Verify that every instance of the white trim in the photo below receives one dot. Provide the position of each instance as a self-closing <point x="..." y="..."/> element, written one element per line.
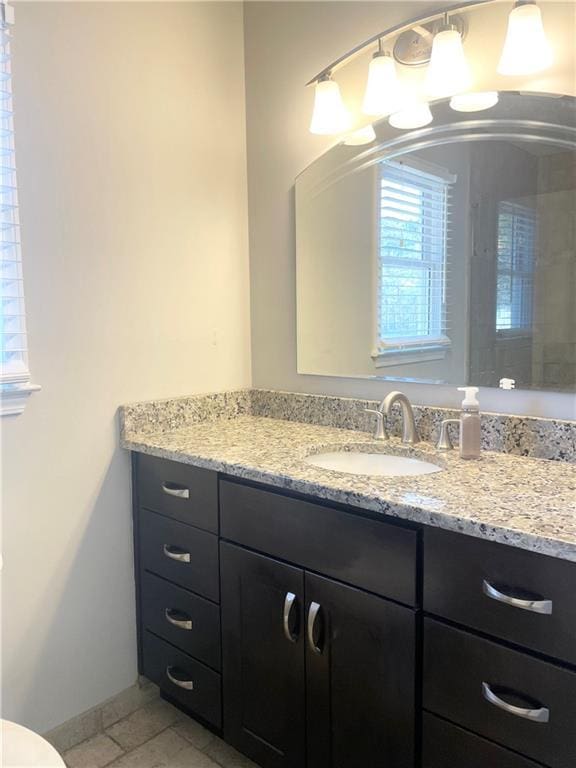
<point x="13" y="398"/>
<point x="407" y="355"/>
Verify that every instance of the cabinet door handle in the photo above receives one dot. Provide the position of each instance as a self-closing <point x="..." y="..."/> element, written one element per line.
<point x="171" y="489"/>
<point x="188" y="685"/>
<point x="289" y="603"/>
<point x="176" y="554"/>
<point x="313" y="612"/>
<point x="536" y="606"/>
<point x="541" y="715"/>
<point x="180" y="623"/>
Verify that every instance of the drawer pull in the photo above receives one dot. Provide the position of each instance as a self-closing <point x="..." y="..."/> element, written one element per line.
<point x="188" y="685"/>
<point x="174" y="553"/>
<point x="541" y="715"/>
<point x="171" y="489"/>
<point x="180" y="623"/>
<point x="289" y="603"/>
<point x="536" y="606"/>
<point x="313" y="612"/>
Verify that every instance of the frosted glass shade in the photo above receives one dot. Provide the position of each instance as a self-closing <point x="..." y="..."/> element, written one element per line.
<point x="413" y="116"/>
<point x="475" y="101"/>
<point x="526" y="48"/>
<point x="361" y="136"/>
<point x="329" y="115"/>
<point x="448" y="72"/>
<point x="382" y="87"/>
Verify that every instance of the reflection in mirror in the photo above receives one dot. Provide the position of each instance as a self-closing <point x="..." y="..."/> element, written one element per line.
<point x="452" y="260"/>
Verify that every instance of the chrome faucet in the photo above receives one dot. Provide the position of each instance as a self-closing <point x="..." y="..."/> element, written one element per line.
<point x="409" y="429"/>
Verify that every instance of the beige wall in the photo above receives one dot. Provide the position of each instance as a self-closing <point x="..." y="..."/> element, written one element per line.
<point x="286" y="44"/>
<point x="131" y="150"/>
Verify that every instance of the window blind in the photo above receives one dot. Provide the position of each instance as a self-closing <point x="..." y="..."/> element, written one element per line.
<point x="413" y="239"/>
<point x="515" y="273"/>
<point x="13" y="344"/>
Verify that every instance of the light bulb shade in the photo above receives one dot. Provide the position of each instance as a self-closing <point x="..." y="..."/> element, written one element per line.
<point x="329" y="115"/>
<point x="413" y="116"/>
<point x="448" y="72"/>
<point x="382" y="87"/>
<point x="526" y="48"/>
<point x="362" y="136"/>
<point x="475" y="101"/>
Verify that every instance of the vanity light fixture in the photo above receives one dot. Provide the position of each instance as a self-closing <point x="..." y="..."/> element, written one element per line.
<point x="362" y="136"/>
<point x="382" y="87"/>
<point x="474" y="101"/>
<point x="415" y="115"/>
<point x="526" y="48"/>
<point x="330" y="115"/>
<point x="448" y="72"/>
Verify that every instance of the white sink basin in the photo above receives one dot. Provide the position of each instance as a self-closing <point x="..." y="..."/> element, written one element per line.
<point x="382" y="464"/>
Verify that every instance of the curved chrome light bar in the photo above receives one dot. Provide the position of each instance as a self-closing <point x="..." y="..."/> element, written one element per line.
<point x="422" y="20"/>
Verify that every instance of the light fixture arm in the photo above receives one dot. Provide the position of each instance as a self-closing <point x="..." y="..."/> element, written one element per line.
<point x="380" y="37"/>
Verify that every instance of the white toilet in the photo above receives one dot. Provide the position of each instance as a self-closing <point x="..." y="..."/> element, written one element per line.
<point x="22" y="748"/>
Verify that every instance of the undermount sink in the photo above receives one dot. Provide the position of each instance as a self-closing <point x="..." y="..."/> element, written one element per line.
<point x="364" y="463"/>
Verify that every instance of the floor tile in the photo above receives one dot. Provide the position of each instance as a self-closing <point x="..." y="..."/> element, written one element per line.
<point x="227" y="757"/>
<point x="75" y="731"/>
<point x="144" y="724"/>
<point x="191" y="758"/>
<point x="159" y="751"/>
<point x="93" y="753"/>
<point x="195" y="733"/>
<point x="128" y="702"/>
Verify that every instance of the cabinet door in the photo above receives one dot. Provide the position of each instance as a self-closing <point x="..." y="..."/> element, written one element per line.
<point x="263" y="657"/>
<point x="360" y="662"/>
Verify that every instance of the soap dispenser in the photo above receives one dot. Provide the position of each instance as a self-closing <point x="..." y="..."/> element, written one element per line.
<point x="470" y="424"/>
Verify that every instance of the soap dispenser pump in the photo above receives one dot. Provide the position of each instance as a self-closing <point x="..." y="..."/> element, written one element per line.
<point x="470" y="437"/>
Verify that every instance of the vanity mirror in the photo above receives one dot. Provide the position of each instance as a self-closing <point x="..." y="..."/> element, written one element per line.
<point x="447" y="254"/>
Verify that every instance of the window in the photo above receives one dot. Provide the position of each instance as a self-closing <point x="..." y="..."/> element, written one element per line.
<point x="515" y="259"/>
<point x="412" y="250"/>
<point x="14" y="375"/>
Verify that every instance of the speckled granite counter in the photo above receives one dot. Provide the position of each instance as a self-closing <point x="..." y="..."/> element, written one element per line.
<point x="524" y="502"/>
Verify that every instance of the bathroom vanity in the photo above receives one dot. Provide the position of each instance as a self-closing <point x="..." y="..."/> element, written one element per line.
<point x="361" y="623"/>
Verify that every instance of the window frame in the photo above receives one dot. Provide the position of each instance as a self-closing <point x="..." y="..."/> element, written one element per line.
<point x="15" y="386"/>
<point x="525" y="330"/>
<point x="405" y="350"/>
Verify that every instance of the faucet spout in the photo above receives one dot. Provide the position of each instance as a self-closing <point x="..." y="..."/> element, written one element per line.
<point x="409" y="429"/>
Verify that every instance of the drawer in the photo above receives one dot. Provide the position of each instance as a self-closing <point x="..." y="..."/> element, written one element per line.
<point x="180" y="553"/>
<point x="186" y="620"/>
<point x="190" y="683"/>
<point x="371" y="554"/>
<point x="448" y="746"/>
<point x="186" y="493"/>
<point x="458" y="666"/>
<point x="459" y="570"/>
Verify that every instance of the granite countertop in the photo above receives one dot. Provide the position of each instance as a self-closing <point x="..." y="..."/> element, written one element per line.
<point x="523" y="502"/>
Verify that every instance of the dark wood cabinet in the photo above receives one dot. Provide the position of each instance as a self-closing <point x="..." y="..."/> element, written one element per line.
<point x="263" y="657"/>
<point x="360" y="674"/>
<point x="312" y="635"/>
<point x="328" y="687"/>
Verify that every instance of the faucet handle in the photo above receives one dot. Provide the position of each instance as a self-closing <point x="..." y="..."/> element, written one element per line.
<point x="444" y="441"/>
<point x="380" y="432"/>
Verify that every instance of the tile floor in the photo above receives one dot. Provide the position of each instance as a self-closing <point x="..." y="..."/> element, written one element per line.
<point x="155" y="736"/>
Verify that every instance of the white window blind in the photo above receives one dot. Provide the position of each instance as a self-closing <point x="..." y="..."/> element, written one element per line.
<point x="515" y="273"/>
<point x="14" y="373"/>
<point x="412" y="248"/>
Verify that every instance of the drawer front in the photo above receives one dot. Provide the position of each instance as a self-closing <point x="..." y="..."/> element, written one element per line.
<point x="180" y="553"/>
<point x="366" y="553"/>
<point x="459" y="570"/>
<point x="186" y="620"/>
<point x="448" y="746"/>
<point x="184" y="679"/>
<point x="185" y="493"/>
<point x="457" y="668"/>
